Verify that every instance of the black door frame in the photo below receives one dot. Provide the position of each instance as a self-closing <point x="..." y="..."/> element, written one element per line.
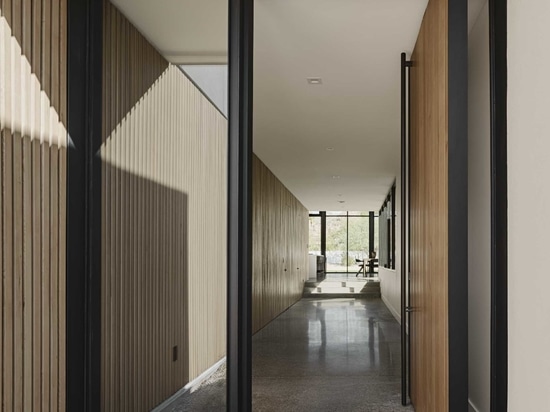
<point x="239" y="246"/>
<point x="405" y="227"/>
<point x="457" y="293"/>
<point x="84" y="119"/>
<point x="498" y="44"/>
<point x="84" y="201"/>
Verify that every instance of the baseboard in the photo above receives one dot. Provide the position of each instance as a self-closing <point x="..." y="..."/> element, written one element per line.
<point x="472" y="406"/>
<point x="191" y="385"/>
<point x="394" y="312"/>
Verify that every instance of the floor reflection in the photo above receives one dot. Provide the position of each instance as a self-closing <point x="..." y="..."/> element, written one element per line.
<point x="320" y="355"/>
<point x="328" y="355"/>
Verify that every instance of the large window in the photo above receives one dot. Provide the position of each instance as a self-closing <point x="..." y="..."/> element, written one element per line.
<point x="349" y="236"/>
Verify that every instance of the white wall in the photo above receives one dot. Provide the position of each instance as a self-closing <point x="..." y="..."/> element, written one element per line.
<point x="390" y="280"/>
<point x="529" y="205"/>
<point x="479" y="214"/>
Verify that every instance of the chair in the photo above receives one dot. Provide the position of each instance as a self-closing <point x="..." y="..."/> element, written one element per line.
<point x="362" y="266"/>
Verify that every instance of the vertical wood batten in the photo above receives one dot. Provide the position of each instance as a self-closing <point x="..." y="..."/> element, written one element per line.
<point x="32" y="112"/>
<point x="279" y="254"/>
<point x="163" y="215"/>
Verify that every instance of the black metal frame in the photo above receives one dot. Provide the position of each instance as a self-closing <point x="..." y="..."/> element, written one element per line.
<point x="405" y="314"/>
<point x="408" y="274"/>
<point x="371" y="233"/>
<point x="392" y="246"/>
<point x="239" y="251"/>
<point x="458" y="204"/>
<point x="84" y="97"/>
<point x="499" y="204"/>
<point x="324" y="234"/>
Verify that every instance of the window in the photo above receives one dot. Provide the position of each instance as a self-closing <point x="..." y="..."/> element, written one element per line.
<point x="386" y="228"/>
<point x="348" y="237"/>
<point x="315" y="234"/>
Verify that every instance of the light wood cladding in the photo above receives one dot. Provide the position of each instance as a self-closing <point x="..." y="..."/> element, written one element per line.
<point x="33" y="144"/>
<point x="125" y="49"/>
<point x="280" y="251"/>
<point x="429" y="213"/>
<point x="164" y="200"/>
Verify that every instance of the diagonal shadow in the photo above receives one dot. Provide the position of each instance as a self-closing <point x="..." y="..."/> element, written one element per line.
<point x="145" y="280"/>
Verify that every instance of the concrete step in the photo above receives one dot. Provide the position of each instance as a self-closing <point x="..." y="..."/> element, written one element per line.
<point x="342" y="288"/>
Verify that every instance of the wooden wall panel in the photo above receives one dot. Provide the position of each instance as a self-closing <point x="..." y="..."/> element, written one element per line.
<point x="429" y="213"/>
<point x="33" y="144"/>
<point x="280" y="252"/>
<point x="163" y="224"/>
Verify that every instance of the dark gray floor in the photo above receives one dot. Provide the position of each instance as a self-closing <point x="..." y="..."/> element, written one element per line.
<point x="320" y="355"/>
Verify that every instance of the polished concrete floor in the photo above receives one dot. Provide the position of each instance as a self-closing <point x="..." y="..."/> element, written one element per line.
<point x="320" y="355"/>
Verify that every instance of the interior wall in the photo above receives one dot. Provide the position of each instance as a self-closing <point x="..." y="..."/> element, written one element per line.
<point x="528" y="205"/>
<point x="479" y="214"/>
<point x="280" y="247"/>
<point x="33" y="164"/>
<point x="164" y="200"/>
<point x="429" y="141"/>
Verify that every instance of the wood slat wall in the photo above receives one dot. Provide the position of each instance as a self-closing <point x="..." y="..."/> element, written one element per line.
<point x="429" y="213"/>
<point x="280" y="251"/>
<point x="32" y="204"/>
<point x="163" y="224"/>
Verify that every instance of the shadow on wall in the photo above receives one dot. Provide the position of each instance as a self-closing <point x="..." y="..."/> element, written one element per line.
<point x="131" y="65"/>
<point x="30" y="27"/>
<point x="145" y="314"/>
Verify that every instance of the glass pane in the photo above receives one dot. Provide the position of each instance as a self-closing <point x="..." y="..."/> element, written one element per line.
<point x="337" y="213"/>
<point x="358" y="239"/>
<point x="337" y="258"/>
<point x="358" y="213"/>
<point x="315" y="235"/>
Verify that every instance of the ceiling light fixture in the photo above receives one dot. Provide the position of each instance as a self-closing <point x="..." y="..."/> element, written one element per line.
<point x="314" y="80"/>
<point x="341" y="201"/>
<point x="336" y="177"/>
<point x="330" y="149"/>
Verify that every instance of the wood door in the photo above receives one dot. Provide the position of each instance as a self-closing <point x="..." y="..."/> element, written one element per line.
<point x="438" y="210"/>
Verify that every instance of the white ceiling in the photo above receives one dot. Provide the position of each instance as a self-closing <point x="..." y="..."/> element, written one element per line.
<point x="183" y="31"/>
<point x="353" y="45"/>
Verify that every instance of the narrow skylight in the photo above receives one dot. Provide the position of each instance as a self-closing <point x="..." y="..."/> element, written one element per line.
<point x="212" y="81"/>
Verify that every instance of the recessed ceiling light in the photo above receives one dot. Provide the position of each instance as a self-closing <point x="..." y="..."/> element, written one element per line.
<point x="315" y="80"/>
<point x="336" y="177"/>
<point x="330" y="149"/>
<point x="341" y="201"/>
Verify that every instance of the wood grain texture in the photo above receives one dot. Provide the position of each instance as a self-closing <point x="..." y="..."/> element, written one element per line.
<point x="429" y="213"/>
<point x="33" y="144"/>
<point x="279" y="251"/>
<point x="163" y="224"/>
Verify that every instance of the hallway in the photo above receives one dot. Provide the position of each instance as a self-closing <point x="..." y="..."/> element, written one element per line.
<point x="320" y="355"/>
